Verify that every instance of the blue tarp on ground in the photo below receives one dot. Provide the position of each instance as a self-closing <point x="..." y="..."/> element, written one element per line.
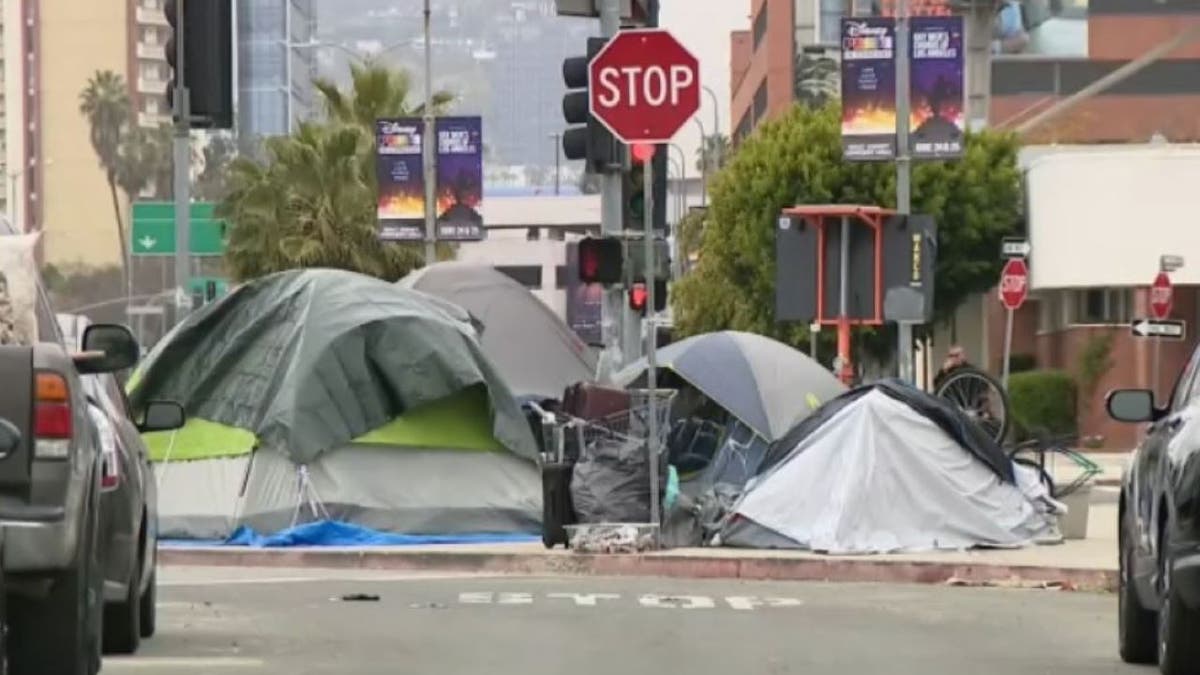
<point x="336" y="533"/>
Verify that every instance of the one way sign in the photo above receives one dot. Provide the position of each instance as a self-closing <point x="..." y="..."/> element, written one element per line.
<point x="1172" y="330"/>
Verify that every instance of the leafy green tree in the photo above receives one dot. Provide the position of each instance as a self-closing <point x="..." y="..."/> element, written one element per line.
<point x="797" y="159"/>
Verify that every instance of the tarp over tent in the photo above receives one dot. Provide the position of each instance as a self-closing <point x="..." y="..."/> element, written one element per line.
<point x="349" y="396"/>
<point x="890" y="469"/>
<point x="533" y="349"/>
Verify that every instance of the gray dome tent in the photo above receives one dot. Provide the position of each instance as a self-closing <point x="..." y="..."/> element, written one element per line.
<point x="334" y="395"/>
<point x="534" y="350"/>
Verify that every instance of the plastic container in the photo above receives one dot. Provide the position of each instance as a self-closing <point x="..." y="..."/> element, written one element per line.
<point x="1074" y="524"/>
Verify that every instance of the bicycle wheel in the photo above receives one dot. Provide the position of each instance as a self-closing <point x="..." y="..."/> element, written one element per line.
<point x="980" y="397"/>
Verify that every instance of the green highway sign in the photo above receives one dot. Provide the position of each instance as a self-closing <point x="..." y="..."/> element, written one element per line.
<point x="153" y="230"/>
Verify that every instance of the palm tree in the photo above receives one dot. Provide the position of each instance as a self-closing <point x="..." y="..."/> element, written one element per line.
<point x="715" y="151"/>
<point x="376" y="92"/>
<point x="105" y="102"/>
<point x="309" y="199"/>
<point x="818" y="79"/>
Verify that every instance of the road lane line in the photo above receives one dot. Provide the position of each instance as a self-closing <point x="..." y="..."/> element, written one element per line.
<point x="197" y="662"/>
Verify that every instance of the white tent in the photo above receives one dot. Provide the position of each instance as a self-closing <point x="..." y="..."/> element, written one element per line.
<point x="879" y="476"/>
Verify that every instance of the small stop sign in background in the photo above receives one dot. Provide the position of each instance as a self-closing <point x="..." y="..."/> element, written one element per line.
<point x="1014" y="284"/>
<point x="1161" y="293"/>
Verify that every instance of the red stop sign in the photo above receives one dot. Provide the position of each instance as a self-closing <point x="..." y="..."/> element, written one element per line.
<point x="644" y="86"/>
<point x="1161" y="293"/>
<point x="1014" y="284"/>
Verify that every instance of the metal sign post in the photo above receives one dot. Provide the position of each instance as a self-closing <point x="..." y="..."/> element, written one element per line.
<point x="1014" y="288"/>
<point x="182" y="169"/>
<point x="904" y="348"/>
<point x="1161" y="303"/>
<point x="651" y="337"/>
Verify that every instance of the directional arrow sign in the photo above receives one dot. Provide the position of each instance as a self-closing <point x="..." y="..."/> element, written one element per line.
<point x="1169" y="329"/>
<point x="1015" y="247"/>
<point x="147" y="243"/>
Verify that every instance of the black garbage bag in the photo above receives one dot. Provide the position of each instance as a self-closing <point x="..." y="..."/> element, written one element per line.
<point x="611" y="481"/>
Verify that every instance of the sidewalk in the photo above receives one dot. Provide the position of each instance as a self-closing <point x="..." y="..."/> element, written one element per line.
<point x="1088" y="564"/>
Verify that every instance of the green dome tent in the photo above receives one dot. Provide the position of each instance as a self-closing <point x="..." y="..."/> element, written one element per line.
<point x="323" y="394"/>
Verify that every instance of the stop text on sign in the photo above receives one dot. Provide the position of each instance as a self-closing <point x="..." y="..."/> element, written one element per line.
<point x="1160" y="294"/>
<point x="1012" y="283"/>
<point x="649" y="85"/>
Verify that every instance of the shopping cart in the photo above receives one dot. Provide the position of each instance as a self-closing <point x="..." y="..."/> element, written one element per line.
<point x="619" y="468"/>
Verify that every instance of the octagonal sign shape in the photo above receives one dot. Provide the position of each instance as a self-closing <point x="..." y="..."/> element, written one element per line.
<point x="644" y="86"/>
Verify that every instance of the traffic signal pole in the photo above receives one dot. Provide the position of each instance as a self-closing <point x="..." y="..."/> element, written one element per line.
<point x="619" y="322"/>
<point x="429" y="149"/>
<point x="904" y="348"/>
<point x="182" y="170"/>
<point x="651" y="338"/>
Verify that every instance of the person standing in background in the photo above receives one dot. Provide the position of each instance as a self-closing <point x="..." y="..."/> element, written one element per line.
<point x="1008" y="34"/>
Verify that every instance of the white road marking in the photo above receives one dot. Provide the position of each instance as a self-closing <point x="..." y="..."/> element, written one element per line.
<point x="585" y="599"/>
<point x="648" y="600"/>
<point x="677" y="601"/>
<point x="159" y="662"/>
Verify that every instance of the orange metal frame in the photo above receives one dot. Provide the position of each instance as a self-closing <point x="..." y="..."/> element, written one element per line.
<point x="819" y="215"/>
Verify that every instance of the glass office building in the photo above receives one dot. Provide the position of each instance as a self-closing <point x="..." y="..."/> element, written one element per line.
<point x="276" y="63"/>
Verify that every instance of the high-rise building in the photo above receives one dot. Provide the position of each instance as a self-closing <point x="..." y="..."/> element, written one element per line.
<point x="276" y="64"/>
<point x="148" y="70"/>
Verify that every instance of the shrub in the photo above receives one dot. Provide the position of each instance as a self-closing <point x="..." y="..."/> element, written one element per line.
<point x="1043" y="402"/>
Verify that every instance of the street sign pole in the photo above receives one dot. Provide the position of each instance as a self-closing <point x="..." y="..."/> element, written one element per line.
<point x="651" y="325"/>
<point x="1161" y="300"/>
<point x="1008" y="331"/>
<point x="1014" y="287"/>
<point x="182" y="168"/>
<point x="904" y="347"/>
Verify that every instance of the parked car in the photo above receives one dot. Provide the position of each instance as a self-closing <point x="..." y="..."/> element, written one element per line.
<point x="1159" y="535"/>
<point x="129" y="502"/>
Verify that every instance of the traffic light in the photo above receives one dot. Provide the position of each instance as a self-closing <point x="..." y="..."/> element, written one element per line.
<point x="601" y="260"/>
<point x="207" y="34"/>
<point x="638" y="296"/>
<point x="633" y="193"/>
<point x="586" y="137"/>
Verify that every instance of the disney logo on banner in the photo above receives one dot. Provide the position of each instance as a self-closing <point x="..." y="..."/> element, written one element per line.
<point x="864" y="29"/>
<point x="393" y="127"/>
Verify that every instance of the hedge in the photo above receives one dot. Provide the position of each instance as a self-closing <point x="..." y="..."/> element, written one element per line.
<point x="1043" y="402"/>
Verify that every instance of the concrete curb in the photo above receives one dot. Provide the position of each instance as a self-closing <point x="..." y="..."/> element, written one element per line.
<point x="657" y="565"/>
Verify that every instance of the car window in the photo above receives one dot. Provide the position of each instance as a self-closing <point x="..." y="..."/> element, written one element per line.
<point x="1185" y="389"/>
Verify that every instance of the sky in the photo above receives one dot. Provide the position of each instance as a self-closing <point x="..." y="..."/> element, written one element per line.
<point x="703" y="26"/>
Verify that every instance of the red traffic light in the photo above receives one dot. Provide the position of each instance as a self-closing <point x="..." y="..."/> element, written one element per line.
<point x="642" y="152"/>
<point x="601" y="260"/>
<point x="637" y="297"/>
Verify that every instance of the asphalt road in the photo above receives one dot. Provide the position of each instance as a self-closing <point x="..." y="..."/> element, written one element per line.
<point x="277" y="622"/>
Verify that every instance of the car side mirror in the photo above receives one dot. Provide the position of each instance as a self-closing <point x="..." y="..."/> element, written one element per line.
<point x="1132" y="405"/>
<point x="162" y="416"/>
<point x="107" y="348"/>
<point x="10" y="438"/>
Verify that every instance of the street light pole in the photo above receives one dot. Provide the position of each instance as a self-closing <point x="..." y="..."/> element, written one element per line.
<point x="716" y="120"/>
<point x="429" y="148"/>
<point x="703" y="162"/>
<point x="182" y="169"/>
<point x="557" y="162"/>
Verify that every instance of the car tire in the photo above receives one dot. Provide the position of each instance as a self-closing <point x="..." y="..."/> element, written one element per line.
<point x="1137" y="627"/>
<point x="1178" y="625"/>
<point x="60" y="634"/>
<point x="149" y="606"/>
<point x="122" y="620"/>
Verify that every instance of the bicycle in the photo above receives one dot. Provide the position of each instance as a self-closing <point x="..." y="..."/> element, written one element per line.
<point x="980" y="397"/>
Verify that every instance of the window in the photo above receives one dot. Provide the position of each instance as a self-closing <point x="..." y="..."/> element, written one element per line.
<point x="533" y="234"/>
<point x="1093" y="306"/>
<point x="832" y="12"/>
<point x="743" y="128"/>
<point x="1185" y="388"/>
<point x="760" y="102"/>
<point x="760" y="27"/>
<point x="560" y="276"/>
<point x="529" y="276"/>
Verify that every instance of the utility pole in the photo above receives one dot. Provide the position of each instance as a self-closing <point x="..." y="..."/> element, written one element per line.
<point x="557" y="163"/>
<point x="429" y="147"/>
<point x="182" y="169"/>
<point x="904" y="350"/>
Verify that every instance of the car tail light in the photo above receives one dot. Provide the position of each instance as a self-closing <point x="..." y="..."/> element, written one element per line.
<point x="52" y="422"/>
<point x="110" y="471"/>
